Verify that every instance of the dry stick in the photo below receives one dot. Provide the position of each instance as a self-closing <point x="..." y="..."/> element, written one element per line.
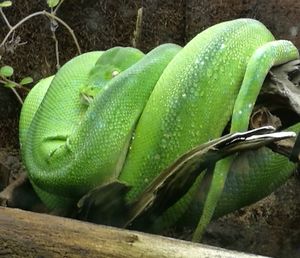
<point x="5" y="80"/>
<point x="5" y="19"/>
<point x="54" y="34"/>
<point x="138" y="28"/>
<point x="57" y="7"/>
<point x="6" y="195"/>
<point x="49" y="15"/>
<point x="45" y="13"/>
<point x="18" y="85"/>
<point x="17" y="95"/>
<point x="53" y="29"/>
<point x="56" y="50"/>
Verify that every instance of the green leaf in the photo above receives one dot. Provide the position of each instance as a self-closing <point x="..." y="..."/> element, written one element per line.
<point x="52" y="3"/>
<point x="10" y="85"/>
<point x="5" y="4"/>
<point x="6" y="71"/>
<point x="26" y="80"/>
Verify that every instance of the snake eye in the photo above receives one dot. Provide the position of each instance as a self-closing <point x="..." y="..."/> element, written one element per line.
<point x="114" y="73"/>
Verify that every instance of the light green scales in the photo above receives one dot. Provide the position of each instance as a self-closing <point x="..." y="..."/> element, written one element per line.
<point x="162" y="105"/>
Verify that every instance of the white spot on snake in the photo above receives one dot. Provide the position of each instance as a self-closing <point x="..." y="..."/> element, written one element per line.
<point x="250" y="105"/>
<point x="184" y="95"/>
<point x="115" y="73"/>
<point x="222" y="46"/>
<point x="240" y="112"/>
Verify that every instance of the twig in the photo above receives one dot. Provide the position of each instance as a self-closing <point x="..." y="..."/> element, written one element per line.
<point x="56" y="50"/>
<point x="53" y="27"/>
<point x="5" y="19"/>
<point x="138" y="28"/>
<point x="6" y="195"/>
<point x="4" y="80"/>
<point x="66" y="26"/>
<point x="17" y="95"/>
<point x="49" y="15"/>
<point x="57" y="7"/>
<point x="52" y="18"/>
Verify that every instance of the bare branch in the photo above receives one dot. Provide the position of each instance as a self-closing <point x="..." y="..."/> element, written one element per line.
<point x="138" y="28"/>
<point x="17" y="95"/>
<point x="14" y="90"/>
<point x="4" y="80"/>
<point x="56" y="50"/>
<point x="5" y="19"/>
<point x="49" y="15"/>
<point x="57" y="7"/>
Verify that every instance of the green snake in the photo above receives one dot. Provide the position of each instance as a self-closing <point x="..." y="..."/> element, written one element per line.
<point x="123" y="115"/>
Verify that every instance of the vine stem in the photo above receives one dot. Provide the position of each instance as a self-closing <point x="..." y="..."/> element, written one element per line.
<point x="5" y="80"/>
<point x="57" y="7"/>
<point x="17" y="95"/>
<point x="5" y="19"/>
<point x="43" y="13"/>
<point x="138" y="28"/>
<point x="15" y="92"/>
<point x="18" y="85"/>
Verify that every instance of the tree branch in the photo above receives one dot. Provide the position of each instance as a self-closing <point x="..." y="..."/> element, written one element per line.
<point x="49" y="15"/>
<point x="28" y="234"/>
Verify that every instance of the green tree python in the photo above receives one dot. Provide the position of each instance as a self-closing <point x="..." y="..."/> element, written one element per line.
<point x="121" y="114"/>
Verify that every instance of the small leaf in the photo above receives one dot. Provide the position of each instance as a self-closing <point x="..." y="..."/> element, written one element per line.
<point x="5" y="4"/>
<point x="10" y="85"/>
<point x="26" y="80"/>
<point x="6" y="71"/>
<point x="52" y="3"/>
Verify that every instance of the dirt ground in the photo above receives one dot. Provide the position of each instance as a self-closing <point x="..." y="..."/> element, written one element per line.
<point x="270" y="227"/>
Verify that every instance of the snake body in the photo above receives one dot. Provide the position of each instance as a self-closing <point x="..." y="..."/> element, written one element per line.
<point x="98" y="120"/>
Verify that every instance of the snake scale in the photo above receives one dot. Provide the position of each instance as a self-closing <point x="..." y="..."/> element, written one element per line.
<point x="121" y="114"/>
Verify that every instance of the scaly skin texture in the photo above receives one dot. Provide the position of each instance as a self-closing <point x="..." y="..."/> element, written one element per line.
<point x="195" y="97"/>
<point x="60" y="136"/>
<point x="164" y="104"/>
<point x="252" y="176"/>
<point x="221" y="69"/>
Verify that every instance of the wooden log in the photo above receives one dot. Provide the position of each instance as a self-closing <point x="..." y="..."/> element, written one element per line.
<point x="28" y="234"/>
